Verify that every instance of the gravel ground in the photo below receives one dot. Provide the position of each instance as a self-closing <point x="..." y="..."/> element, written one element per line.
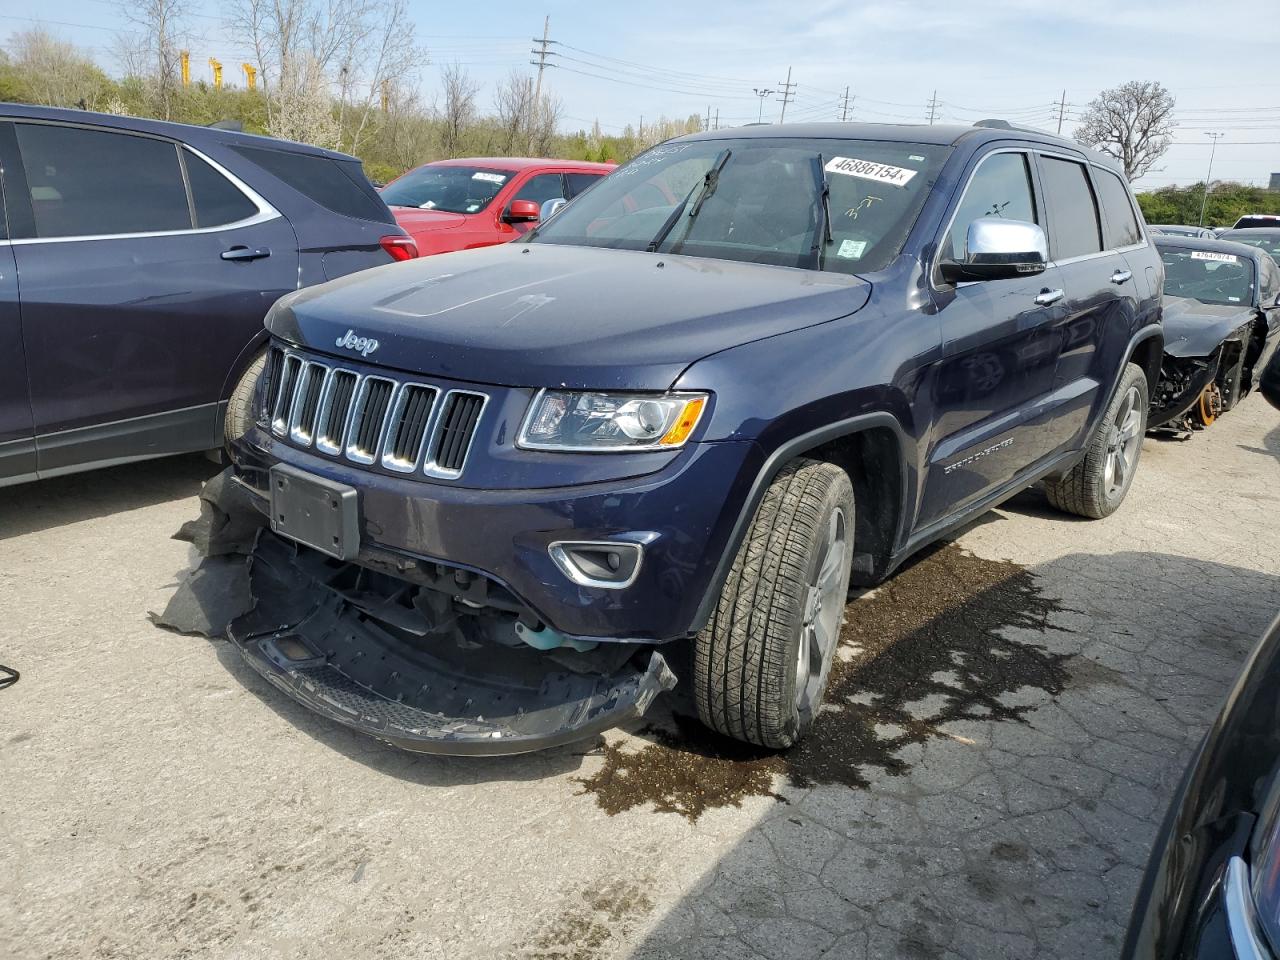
<point x="1014" y="710"/>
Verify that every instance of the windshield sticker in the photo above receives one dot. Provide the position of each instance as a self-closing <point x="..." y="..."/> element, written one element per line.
<point x="1209" y="255"/>
<point x="489" y="177"/>
<point x="851" y="249"/>
<point x="870" y="170"/>
<point x="472" y="207"/>
<point x="916" y="157"/>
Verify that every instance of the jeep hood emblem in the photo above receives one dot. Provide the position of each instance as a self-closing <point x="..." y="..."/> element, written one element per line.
<point x="361" y="345"/>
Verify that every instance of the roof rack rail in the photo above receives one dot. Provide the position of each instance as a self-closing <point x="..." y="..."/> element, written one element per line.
<point x="995" y="124"/>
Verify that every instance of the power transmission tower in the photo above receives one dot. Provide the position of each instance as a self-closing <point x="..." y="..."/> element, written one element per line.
<point x="1062" y="111"/>
<point x="788" y="94"/>
<point x="846" y="103"/>
<point x="933" y="108"/>
<point x="541" y="53"/>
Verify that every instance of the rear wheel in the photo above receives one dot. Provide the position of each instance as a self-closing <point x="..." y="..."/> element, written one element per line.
<point x="240" y="405"/>
<point x="1097" y="485"/>
<point x="762" y="662"/>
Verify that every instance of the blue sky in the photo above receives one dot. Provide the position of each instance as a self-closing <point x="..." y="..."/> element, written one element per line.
<point x="1005" y="58"/>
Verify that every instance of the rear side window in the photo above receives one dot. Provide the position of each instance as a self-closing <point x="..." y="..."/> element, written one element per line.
<point x="1122" y="223"/>
<point x="579" y="182"/>
<point x="1001" y="187"/>
<point x="1074" y="230"/>
<point x="331" y="183"/>
<point x="216" y="199"/>
<point x="90" y="182"/>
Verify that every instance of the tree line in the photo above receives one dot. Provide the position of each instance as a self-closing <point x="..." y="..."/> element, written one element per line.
<point x="344" y="76"/>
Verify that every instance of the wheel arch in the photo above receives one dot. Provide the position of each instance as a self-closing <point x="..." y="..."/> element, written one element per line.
<point x="850" y="444"/>
<point x="1147" y="351"/>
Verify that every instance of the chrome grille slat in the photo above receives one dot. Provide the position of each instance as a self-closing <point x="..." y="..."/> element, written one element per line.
<point x="369" y="418"/>
<point x="334" y="406"/>
<point x="407" y="427"/>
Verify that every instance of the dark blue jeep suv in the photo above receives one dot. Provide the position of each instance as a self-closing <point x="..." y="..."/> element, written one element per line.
<point x="137" y="261"/>
<point x="506" y="486"/>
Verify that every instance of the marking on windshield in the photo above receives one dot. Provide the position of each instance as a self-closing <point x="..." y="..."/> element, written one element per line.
<point x="870" y="170"/>
<point x="489" y="177"/>
<point x="1221" y="257"/>
<point x="851" y="249"/>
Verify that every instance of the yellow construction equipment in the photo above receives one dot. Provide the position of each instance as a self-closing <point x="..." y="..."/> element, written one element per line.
<point x="250" y="75"/>
<point x="216" y="65"/>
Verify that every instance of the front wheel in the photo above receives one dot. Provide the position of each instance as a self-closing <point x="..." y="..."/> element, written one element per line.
<point x="761" y="664"/>
<point x="1097" y="485"/>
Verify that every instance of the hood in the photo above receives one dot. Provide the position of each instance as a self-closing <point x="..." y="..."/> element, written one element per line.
<point x="546" y="315"/>
<point x="417" y="220"/>
<point x="1195" y="329"/>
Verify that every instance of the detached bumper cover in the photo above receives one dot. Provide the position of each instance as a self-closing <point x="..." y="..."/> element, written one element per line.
<point x="324" y="653"/>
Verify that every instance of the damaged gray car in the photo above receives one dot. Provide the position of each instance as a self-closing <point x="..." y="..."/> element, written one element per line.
<point x="1222" y="323"/>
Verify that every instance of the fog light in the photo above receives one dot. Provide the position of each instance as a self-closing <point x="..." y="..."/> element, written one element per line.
<point x="608" y="564"/>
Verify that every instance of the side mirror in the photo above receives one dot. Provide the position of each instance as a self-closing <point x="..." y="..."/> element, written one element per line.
<point x="522" y="211"/>
<point x="551" y="208"/>
<point x="998" y="249"/>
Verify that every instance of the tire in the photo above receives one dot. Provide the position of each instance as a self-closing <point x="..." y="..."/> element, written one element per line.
<point x="777" y="621"/>
<point x="1092" y="488"/>
<point x="240" y="415"/>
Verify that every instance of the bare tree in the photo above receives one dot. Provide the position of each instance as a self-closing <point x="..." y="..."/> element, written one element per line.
<point x="459" y="106"/>
<point x="153" y="49"/>
<point x="513" y="103"/>
<point x="340" y="52"/>
<point x="1132" y="123"/>
<point x="547" y="118"/>
<point x="54" y="72"/>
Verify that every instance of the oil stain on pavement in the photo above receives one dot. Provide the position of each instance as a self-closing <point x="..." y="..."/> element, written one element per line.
<point x="927" y="648"/>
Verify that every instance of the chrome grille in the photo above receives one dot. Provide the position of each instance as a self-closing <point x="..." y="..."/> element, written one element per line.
<point x="370" y="418"/>
<point x="456" y="430"/>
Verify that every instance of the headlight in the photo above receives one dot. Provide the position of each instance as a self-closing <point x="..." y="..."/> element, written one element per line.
<point x="570" y="420"/>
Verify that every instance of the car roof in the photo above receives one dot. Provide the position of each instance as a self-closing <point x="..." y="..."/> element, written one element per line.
<point x="939" y="134"/>
<point x="1254" y="232"/>
<point x="185" y="132"/>
<point x="1211" y="246"/>
<point x="1175" y="226"/>
<point x="523" y="163"/>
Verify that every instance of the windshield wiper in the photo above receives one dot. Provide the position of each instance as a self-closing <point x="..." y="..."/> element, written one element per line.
<point x="705" y="189"/>
<point x="822" y="230"/>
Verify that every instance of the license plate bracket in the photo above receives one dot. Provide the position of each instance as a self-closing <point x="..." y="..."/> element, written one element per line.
<point x="316" y="512"/>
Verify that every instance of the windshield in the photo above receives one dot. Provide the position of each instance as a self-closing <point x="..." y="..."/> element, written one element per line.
<point x="451" y="189"/>
<point x="1267" y="240"/>
<point x="759" y="200"/>
<point x="1207" y="276"/>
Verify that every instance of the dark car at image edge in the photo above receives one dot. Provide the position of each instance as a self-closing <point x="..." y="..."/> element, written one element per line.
<point x="507" y="487"/>
<point x="138" y="259"/>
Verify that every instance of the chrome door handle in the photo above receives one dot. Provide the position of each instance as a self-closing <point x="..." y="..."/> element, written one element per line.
<point x="1048" y="297"/>
<point x="1122" y="276"/>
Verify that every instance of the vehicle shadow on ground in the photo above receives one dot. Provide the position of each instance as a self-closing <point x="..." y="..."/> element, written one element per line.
<point x="1003" y="744"/>
<point x="37" y="506"/>
<point x="1270" y="445"/>
<point x="422" y="769"/>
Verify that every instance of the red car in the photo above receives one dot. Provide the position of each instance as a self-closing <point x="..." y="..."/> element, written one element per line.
<point x="477" y="202"/>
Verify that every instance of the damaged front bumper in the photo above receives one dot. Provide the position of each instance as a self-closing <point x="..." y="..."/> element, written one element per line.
<point x="404" y="666"/>
<point x="1182" y="380"/>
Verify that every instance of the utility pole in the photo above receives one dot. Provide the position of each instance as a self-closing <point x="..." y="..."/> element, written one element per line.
<point x="717" y="126"/>
<point x="708" y="123"/>
<point x="846" y="102"/>
<point x="1208" y="179"/>
<point x="541" y="53"/>
<point x="761" y="93"/>
<point x="788" y="94"/>
<point x="1062" y="111"/>
<point x="933" y="108"/>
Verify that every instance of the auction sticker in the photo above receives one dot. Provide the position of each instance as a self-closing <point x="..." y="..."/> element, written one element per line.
<point x="1209" y="255"/>
<point x="870" y="170"/>
<point x="851" y="249"/>
<point x="489" y="177"/>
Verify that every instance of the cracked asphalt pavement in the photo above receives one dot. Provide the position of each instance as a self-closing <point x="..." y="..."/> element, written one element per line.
<point x="1011" y="715"/>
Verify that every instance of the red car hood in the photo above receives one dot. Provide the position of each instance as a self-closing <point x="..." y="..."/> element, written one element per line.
<point x="416" y="221"/>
